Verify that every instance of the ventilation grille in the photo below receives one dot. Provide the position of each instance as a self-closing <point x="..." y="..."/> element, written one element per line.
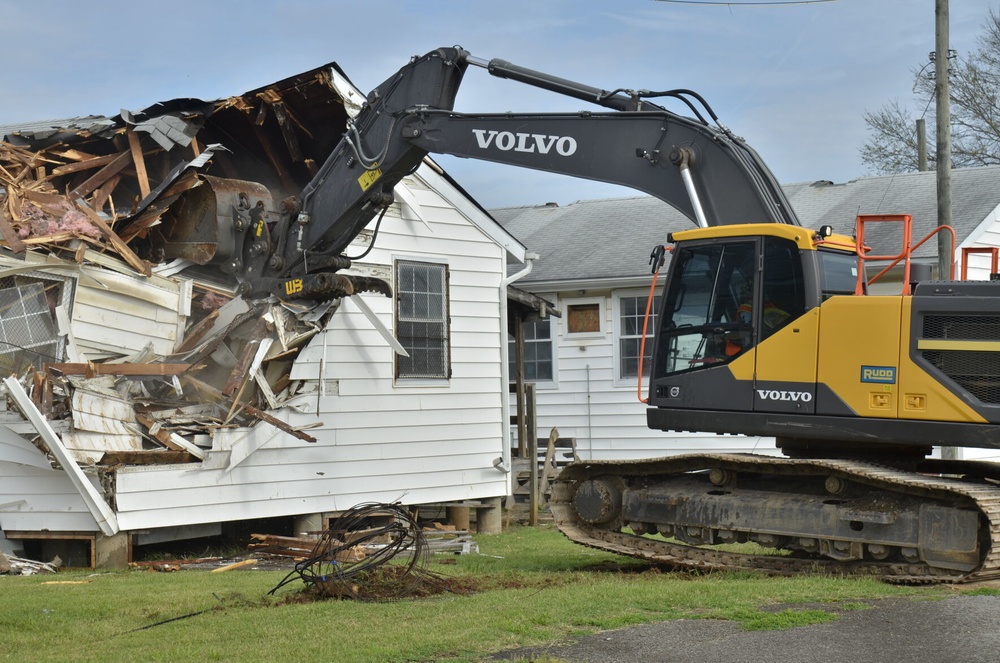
<point x="963" y="327"/>
<point x="976" y="372"/>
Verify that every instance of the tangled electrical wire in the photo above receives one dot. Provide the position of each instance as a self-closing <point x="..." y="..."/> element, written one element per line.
<point x="373" y="552"/>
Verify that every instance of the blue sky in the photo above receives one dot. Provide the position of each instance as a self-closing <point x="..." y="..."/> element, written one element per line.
<point x="793" y="80"/>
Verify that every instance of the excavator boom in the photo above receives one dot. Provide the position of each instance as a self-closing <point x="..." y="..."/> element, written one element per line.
<point x="701" y="169"/>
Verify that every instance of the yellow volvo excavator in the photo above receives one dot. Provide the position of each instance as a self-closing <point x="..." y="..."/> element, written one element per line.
<point x="765" y="329"/>
<point x="856" y="389"/>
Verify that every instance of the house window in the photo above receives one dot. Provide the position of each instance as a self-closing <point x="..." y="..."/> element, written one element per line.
<point x="538" y="365"/>
<point x="422" y="320"/>
<point x="28" y="334"/>
<point x="631" y="313"/>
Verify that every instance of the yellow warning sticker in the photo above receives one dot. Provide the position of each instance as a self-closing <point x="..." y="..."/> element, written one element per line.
<point x="369" y="177"/>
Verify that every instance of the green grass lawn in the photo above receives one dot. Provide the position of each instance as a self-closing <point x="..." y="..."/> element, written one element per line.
<point x="533" y="586"/>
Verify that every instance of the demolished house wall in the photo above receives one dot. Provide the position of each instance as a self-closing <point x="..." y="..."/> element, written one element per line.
<point x="380" y="440"/>
<point x="143" y="393"/>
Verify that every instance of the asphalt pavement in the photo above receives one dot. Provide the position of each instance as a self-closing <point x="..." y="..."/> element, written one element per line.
<point x="959" y="629"/>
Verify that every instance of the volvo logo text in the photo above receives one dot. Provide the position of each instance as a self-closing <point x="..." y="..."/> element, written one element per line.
<point x="518" y="142"/>
<point x="775" y="395"/>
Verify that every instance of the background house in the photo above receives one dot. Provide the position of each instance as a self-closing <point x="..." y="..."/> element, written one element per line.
<point x="595" y="266"/>
<point x="341" y="417"/>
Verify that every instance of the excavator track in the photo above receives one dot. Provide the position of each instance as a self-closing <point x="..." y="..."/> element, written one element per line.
<point x="912" y="490"/>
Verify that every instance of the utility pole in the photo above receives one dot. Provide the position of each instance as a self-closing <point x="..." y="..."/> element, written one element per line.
<point x="942" y="91"/>
<point x="921" y="145"/>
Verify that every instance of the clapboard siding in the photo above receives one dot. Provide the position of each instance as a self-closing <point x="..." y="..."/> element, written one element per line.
<point x="37" y="499"/>
<point x="381" y="439"/>
<point x="115" y="321"/>
<point x="988" y="235"/>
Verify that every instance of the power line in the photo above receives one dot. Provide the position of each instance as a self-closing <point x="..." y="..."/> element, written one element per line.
<point x="732" y="3"/>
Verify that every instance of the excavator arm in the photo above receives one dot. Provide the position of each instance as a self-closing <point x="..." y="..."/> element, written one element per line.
<point x="701" y="169"/>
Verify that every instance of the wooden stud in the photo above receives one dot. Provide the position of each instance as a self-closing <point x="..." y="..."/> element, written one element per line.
<point x="10" y="237"/>
<point x="114" y="167"/>
<point x="121" y="247"/>
<point x="140" y="162"/>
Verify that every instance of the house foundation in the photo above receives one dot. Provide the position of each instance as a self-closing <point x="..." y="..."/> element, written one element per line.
<point x="489" y="517"/>
<point x="113" y="552"/>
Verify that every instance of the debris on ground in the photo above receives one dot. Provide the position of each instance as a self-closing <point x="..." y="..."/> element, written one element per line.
<point x="17" y="566"/>
<point x="373" y="552"/>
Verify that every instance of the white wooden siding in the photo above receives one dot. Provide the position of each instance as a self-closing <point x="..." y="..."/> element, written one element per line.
<point x="380" y="439"/>
<point x="118" y="314"/>
<point x="38" y="499"/>
<point x="986" y="235"/>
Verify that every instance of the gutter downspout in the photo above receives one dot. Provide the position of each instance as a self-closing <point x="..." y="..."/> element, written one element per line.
<point x="504" y="463"/>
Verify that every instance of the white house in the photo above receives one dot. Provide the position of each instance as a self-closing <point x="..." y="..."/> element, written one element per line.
<point x="595" y="266"/>
<point x="343" y="418"/>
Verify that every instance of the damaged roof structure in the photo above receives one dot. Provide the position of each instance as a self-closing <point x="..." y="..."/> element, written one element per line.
<point x="88" y="194"/>
<point x="121" y="346"/>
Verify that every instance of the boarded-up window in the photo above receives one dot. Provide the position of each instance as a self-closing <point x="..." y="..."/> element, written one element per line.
<point x="422" y="320"/>
<point x="583" y="318"/>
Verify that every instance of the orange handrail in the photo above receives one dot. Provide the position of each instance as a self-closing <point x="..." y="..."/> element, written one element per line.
<point x="968" y="250"/>
<point x="904" y="255"/>
<point x="645" y="326"/>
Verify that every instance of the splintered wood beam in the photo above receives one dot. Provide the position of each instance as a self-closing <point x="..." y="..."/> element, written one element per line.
<point x="146" y="457"/>
<point x="287" y="131"/>
<point x="44" y="197"/>
<point x="166" y="438"/>
<point x="13" y="204"/>
<point x="249" y="409"/>
<point x="88" y="164"/>
<point x="91" y="369"/>
<point x="113" y="167"/>
<point x="9" y="235"/>
<point x="140" y="162"/>
<point x="194" y="335"/>
<point x="120" y="246"/>
<point x="104" y="193"/>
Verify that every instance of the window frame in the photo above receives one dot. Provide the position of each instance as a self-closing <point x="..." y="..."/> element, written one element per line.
<point x="398" y="376"/>
<point x="584" y="301"/>
<point x="554" y="355"/>
<point x="641" y="294"/>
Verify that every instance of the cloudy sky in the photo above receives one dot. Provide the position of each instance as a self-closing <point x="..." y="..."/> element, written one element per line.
<point x="793" y="79"/>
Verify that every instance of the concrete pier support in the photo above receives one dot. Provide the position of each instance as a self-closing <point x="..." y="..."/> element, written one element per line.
<point x="489" y="518"/>
<point x="113" y="552"/>
<point x="458" y="516"/>
<point x="305" y="523"/>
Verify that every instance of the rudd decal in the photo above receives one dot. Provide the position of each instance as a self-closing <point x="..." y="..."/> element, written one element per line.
<point x="505" y="141"/>
<point x="775" y="395"/>
<point x="879" y="374"/>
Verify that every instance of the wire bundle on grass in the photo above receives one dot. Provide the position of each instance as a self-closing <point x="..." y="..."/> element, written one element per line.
<point x="372" y="552"/>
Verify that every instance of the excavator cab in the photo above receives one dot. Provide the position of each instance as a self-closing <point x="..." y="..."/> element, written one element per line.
<point x="740" y="319"/>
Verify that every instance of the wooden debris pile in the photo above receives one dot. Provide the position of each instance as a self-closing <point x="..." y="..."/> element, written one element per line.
<point x="134" y="346"/>
<point x="168" y="409"/>
<point x="109" y="182"/>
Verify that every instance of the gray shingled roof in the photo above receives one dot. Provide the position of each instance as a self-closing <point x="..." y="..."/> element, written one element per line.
<point x="612" y="238"/>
